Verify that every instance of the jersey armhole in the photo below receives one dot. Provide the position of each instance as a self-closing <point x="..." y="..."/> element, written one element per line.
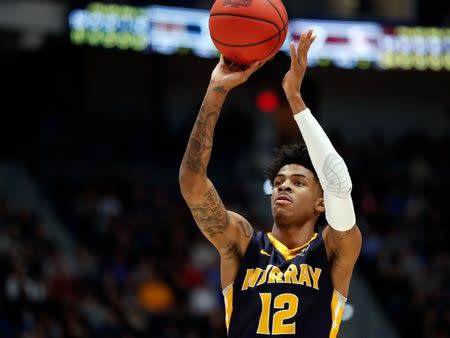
<point x="228" y="300"/>
<point x="340" y="297"/>
<point x="227" y="291"/>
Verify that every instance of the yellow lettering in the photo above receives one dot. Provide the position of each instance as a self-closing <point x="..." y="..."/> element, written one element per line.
<point x="304" y="276"/>
<point x="263" y="278"/>
<point x="315" y="274"/>
<point x="286" y="306"/>
<point x="279" y="326"/>
<point x="275" y="276"/>
<point x="263" y="326"/>
<point x="290" y="275"/>
<point x="251" y="278"/>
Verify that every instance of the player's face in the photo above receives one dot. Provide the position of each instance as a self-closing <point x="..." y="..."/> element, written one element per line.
<point x="296" y="196"/>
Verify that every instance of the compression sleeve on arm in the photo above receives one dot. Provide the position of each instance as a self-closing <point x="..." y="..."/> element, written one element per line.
<point x="332" y="172"/>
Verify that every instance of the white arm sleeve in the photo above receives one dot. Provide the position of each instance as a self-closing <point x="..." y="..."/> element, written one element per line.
<point x="332" y="172"/>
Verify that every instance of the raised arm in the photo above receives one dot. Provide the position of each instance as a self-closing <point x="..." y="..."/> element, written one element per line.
<point x="342" y="236"/>
<point x="229" y="232"/>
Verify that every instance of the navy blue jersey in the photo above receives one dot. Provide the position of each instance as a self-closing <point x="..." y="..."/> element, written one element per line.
<point x="282" y="292"/>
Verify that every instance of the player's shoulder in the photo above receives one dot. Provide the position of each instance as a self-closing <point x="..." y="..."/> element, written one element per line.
<point x="260" y="241"/>
<point x="258" y="238"/>
<point x="261" y="236"/>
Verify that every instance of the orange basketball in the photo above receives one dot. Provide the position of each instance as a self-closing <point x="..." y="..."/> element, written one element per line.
<point x="245" y="31"/>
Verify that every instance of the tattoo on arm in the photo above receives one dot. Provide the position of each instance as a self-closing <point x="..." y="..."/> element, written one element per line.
<point x="199" y="147"/>
<point x="220" y="90"/>
<point x="211" y="216"/>
<point x="345" y="234"/>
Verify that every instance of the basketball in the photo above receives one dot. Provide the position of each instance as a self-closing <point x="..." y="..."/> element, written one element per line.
<point x="245" y="31"/>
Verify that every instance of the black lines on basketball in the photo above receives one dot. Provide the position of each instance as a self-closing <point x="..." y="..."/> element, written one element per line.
<point x="245" y="34"/>
<point x="244" y="16"/>
<point x="248" y="44"/>
<point x="284" y="21"/>
<point x="279" y="14"/>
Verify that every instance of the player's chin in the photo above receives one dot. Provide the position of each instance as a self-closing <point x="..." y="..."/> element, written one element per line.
<point x="281" y="211"/>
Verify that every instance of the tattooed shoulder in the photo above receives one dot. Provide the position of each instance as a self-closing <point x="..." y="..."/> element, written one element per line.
<point x="246" y="228"/>
<point x="345" y="234"/>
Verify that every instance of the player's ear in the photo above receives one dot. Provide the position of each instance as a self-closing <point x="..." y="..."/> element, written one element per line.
<point x="320" y="205"/>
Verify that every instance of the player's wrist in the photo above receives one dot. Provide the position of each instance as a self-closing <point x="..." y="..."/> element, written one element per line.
<point x="296" y="102"/>
<point x="218" y="87"/>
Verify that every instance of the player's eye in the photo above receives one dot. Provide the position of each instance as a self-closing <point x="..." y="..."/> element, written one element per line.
<point x="277" y="183"/>
<point x="299" y="183"/>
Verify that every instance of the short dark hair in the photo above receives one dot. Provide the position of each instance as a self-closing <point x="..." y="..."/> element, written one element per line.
<point x="296" y="153"/>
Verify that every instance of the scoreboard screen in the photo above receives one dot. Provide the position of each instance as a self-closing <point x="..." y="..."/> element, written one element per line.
<point x="418" y="48"/>
<point x="110" y="26"/>
<point x="343" y="44"/>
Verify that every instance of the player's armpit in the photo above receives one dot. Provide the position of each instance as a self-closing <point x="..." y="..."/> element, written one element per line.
<point x="233" y="250"/>
<point x="224" y="229"/>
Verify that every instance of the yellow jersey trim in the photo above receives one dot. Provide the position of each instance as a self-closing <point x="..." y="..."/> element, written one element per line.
<point x="288" y="254"/>
<point x="228" y="298"/>
<point x="337" y="310"/>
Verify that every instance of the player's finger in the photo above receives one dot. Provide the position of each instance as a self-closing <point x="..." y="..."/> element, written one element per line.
<point x="260" y="64"/>
<point x="313" y="38"/>
<point x="310" y="40"/>
<point x="233" y="66"/>
<point x="253" y="67"/>
<point x="307" y="43"/>
<point x="304" y="39"/>
<point x="294" y="57"/>
<point x="292" y="51"/>
<point x="301" y="44"/>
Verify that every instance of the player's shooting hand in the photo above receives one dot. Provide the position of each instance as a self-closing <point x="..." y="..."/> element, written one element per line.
<point x="230" y="75"/>
<point x="299" y="62"/>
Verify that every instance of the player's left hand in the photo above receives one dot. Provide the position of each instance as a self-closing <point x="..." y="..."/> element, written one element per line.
<point x="299" y="62"/>
<point x="231" y="75"/>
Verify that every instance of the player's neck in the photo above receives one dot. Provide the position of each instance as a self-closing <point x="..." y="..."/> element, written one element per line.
<point x="293" y="237"/>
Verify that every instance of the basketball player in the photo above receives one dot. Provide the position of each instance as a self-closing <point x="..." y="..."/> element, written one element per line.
<point x="292" y="282"/>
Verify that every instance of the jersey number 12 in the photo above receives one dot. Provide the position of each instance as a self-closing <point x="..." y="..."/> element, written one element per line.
<point x="279" y="303"/>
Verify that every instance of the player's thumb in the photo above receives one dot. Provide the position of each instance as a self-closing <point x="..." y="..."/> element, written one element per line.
<point x="253" y="68"/>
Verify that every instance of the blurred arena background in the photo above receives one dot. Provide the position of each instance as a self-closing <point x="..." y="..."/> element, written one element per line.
<point x="98" y="100"/>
